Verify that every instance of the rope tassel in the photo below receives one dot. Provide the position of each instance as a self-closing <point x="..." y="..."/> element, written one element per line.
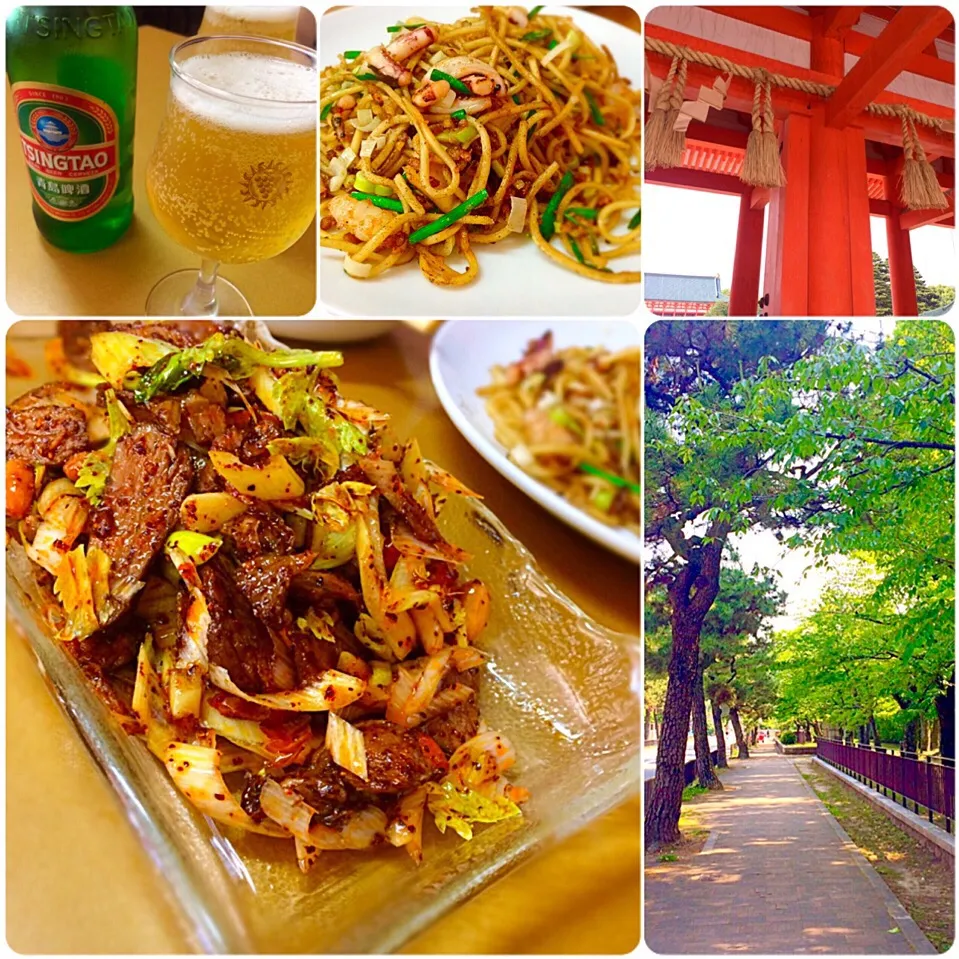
<point x="920" y="187"/>
<point x="762" y="165"/>
<point x="664" y="146"/>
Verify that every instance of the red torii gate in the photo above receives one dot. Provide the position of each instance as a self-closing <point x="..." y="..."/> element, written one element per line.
<point x="818" y="249"/>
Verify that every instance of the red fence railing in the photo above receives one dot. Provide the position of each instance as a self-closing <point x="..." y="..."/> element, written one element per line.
<point x="930" y="784"/>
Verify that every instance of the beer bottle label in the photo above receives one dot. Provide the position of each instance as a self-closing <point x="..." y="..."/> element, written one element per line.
<point x="69" y="141"/>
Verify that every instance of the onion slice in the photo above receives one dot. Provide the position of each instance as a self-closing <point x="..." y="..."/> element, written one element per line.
<point x="333" y="690"/>
<point x="517" y="214"/>
<point x="346" y="745"/>
<point x="196" y="772"/>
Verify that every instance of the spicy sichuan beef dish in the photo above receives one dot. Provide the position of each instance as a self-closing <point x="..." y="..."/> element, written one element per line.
<point x="247" y="567"/>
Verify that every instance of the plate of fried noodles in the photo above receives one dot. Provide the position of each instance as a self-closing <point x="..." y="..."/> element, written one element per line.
<point x="481" y="161"/>
<point x="555" y="409"/>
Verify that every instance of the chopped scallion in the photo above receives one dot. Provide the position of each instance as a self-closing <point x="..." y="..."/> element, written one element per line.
<point x="551" y="44"/>
<point x="577" y="252"/>
<point x="447" y="219"/>
<point x="352" y="54"/>
<point x="594" y="110"/>
<point x="404" y="26"/>
<point x="516" y="98"/>
<point x="548" y="223"/>
<point x="636" y="220"/>
<point x="383" y="202"/>
<point x="603" y="498"/>
<point x="562" y="418"/>
<point x="367" y="76"/>
<point x="609" y="477"/>
<point x="534" y="35"/>
<point x="534" y="11"/>
<point x="455" y="84"/>
<point x="587" y="213"/>
<point x="325" y="112"/>
<point x="458" y="115"/>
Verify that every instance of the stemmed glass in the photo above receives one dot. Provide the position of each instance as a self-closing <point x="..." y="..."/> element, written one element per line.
<point x="233" y="173"/>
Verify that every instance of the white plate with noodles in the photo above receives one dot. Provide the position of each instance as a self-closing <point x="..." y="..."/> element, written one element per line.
<point x="552" y="137"/>
<point x="462" y="358"/>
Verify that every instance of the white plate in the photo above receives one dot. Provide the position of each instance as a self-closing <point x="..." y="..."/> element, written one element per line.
<point x="460" y="360"/>
<point x="515" y="278"/>
<point x="330" y="331"/>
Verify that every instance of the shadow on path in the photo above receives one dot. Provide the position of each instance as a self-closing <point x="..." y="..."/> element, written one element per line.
<point x="776" y="875"/>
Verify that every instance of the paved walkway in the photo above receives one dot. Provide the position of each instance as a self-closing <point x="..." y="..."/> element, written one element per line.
<point x="777" y="875"/>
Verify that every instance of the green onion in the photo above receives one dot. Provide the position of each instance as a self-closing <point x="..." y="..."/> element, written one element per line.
<point x="587" y="213"/>
<point x="562" y="418"/>
<point x="352" y="54"/>
<point x="465" y="135"/>
<point x="325" y="112"/>
<point x="593" y="245"/>
<point x="383" y="202"/>
<point x="367" y="76"/>
<point x="636" y="220"/>
<point x="404" y="26"/>
<point x="536" y="35"/>
<point x="603" y="498"/>
<point x="455" y="84"/>
<point x="516" y="98"/>
<point x="457" y="213"/>
<point x="458" y="114"/>
<point x="594" y="110"/>
<point x="364" y="185"/>
<point x="531" y="131"/>
<point x="548" y="223"/>
<point x="534" y="11"/>
<point x="576" y="250"/>
<point x="551" y="44"/>
<point x="609" y="477"/>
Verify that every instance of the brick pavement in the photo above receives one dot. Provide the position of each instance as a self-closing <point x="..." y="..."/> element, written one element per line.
<point x="777" y="875"/>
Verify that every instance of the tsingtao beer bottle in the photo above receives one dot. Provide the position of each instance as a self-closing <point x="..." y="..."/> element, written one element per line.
<point x="73" y="72"/>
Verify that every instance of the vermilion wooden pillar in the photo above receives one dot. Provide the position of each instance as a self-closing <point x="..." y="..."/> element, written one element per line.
<point x="744" y="291"/>
<point x="819" y="256"/>
<point x="901" y="276"/>
<point x="787" y="232"/>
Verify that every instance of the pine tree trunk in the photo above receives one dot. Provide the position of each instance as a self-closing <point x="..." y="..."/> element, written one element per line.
<point x="946" y="711"/>
<point x="721" y="762"/>
<point x="738" y="730"/>
<point x="691" y="594"/>
<point x="753" y="736"/>
<point x="704" y="762"/>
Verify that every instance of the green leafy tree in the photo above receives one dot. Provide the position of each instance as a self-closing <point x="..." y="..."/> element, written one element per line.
<point x="823" y="439"/>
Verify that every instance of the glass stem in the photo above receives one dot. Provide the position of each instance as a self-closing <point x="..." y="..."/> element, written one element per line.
<point x="201" y="300"/>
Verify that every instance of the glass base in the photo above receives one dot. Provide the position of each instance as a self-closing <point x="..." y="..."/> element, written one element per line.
<point x="172" y="297"/>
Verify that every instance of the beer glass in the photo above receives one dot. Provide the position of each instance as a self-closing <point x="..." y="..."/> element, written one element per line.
<point x="276" y="23"/>
<point x="233" y="173"/>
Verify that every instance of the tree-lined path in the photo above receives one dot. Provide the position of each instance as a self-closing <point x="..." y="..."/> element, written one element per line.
<point x="776" y="875"/>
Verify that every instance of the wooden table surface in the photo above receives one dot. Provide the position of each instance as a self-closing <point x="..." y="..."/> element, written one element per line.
<point x="45" y="281"/>
<point x="77" y="880"/>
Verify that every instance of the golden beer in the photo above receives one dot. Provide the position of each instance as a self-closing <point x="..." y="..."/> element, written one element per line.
<point x="275" y="23"/>
<point x="233" y="173"/>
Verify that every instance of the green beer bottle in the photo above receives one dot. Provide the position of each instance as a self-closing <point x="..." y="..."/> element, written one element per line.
<point x="73" y="72"/>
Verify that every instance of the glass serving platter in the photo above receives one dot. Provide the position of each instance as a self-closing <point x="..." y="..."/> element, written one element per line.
<point x="564" y="689"/>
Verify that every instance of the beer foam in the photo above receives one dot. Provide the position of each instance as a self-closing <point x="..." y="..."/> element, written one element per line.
<point x="267" y="81"/>
<point x="264" y="14"/>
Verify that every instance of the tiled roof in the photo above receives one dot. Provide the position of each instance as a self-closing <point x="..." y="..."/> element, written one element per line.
<point x="687" y="289"/>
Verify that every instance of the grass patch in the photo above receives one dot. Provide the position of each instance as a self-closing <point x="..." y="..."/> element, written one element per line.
<point x="923" y="884"/>
<point x="694" y="790"/>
